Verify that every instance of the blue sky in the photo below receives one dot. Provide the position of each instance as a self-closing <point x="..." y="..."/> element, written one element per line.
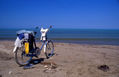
<point x="99" y="14"/>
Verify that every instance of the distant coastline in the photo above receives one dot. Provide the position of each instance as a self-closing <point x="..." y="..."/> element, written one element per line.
<point x="79" y="36"/>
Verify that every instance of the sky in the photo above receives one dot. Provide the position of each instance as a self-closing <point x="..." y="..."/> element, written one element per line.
<point x="83" y="14"/>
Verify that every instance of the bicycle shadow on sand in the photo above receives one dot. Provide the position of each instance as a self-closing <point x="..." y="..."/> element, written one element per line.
<point x="50" y="65"/>
<point x="37" y="61"/>
<point x="40" y="60"/>
<point x="33" y="62"/>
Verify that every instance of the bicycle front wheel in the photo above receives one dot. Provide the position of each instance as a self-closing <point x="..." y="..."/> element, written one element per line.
<point x="49" y="49"/>
<point x="21" y="57"/>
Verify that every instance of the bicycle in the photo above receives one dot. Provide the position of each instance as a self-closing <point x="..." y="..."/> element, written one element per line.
<point x="25" y="46"/>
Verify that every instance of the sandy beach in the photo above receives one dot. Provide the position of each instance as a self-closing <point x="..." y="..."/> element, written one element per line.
<point x="71" y="60"/>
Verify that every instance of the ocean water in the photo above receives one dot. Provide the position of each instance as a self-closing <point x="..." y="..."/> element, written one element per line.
<point x="80" y="36"/>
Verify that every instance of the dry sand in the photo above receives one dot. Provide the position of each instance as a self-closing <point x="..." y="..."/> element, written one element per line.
<point x="71" y="60"/>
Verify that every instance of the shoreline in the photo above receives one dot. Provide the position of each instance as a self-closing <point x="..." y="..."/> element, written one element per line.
<point x="82" y="42"/>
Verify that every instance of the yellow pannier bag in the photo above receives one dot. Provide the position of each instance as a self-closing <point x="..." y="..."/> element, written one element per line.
<point x="26" y="47"/>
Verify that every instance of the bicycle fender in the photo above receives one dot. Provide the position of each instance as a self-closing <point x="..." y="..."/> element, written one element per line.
<point x="15" y="48"/>
<point x="17" y="44"/>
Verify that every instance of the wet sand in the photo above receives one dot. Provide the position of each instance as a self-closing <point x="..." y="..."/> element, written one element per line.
<point x="71" y="60"/>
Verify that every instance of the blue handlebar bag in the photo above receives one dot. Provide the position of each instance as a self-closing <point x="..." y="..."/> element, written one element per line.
<point x="21" y="36"/>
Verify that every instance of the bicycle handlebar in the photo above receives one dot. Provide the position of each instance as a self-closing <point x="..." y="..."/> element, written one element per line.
<point x="37" y="27"/>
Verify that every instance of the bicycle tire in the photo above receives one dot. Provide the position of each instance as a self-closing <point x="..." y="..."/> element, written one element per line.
<point x="49" y="49"/>
<point x="20" y="56"/>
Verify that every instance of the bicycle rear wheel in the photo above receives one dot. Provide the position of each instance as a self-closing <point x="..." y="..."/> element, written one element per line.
<point x="21" y="57"/>
<point x="49" y="49"/>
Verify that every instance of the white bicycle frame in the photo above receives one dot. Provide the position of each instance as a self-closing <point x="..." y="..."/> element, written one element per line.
<point x="44" y="36"/>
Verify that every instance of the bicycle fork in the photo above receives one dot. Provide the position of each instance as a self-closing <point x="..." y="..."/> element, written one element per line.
<point x="45" y="47"/>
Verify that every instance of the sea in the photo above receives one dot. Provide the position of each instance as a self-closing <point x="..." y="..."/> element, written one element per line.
<point x="77" y="36"/>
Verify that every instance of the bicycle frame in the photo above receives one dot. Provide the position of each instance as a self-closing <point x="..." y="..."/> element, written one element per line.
<point x="44" y="43"/>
